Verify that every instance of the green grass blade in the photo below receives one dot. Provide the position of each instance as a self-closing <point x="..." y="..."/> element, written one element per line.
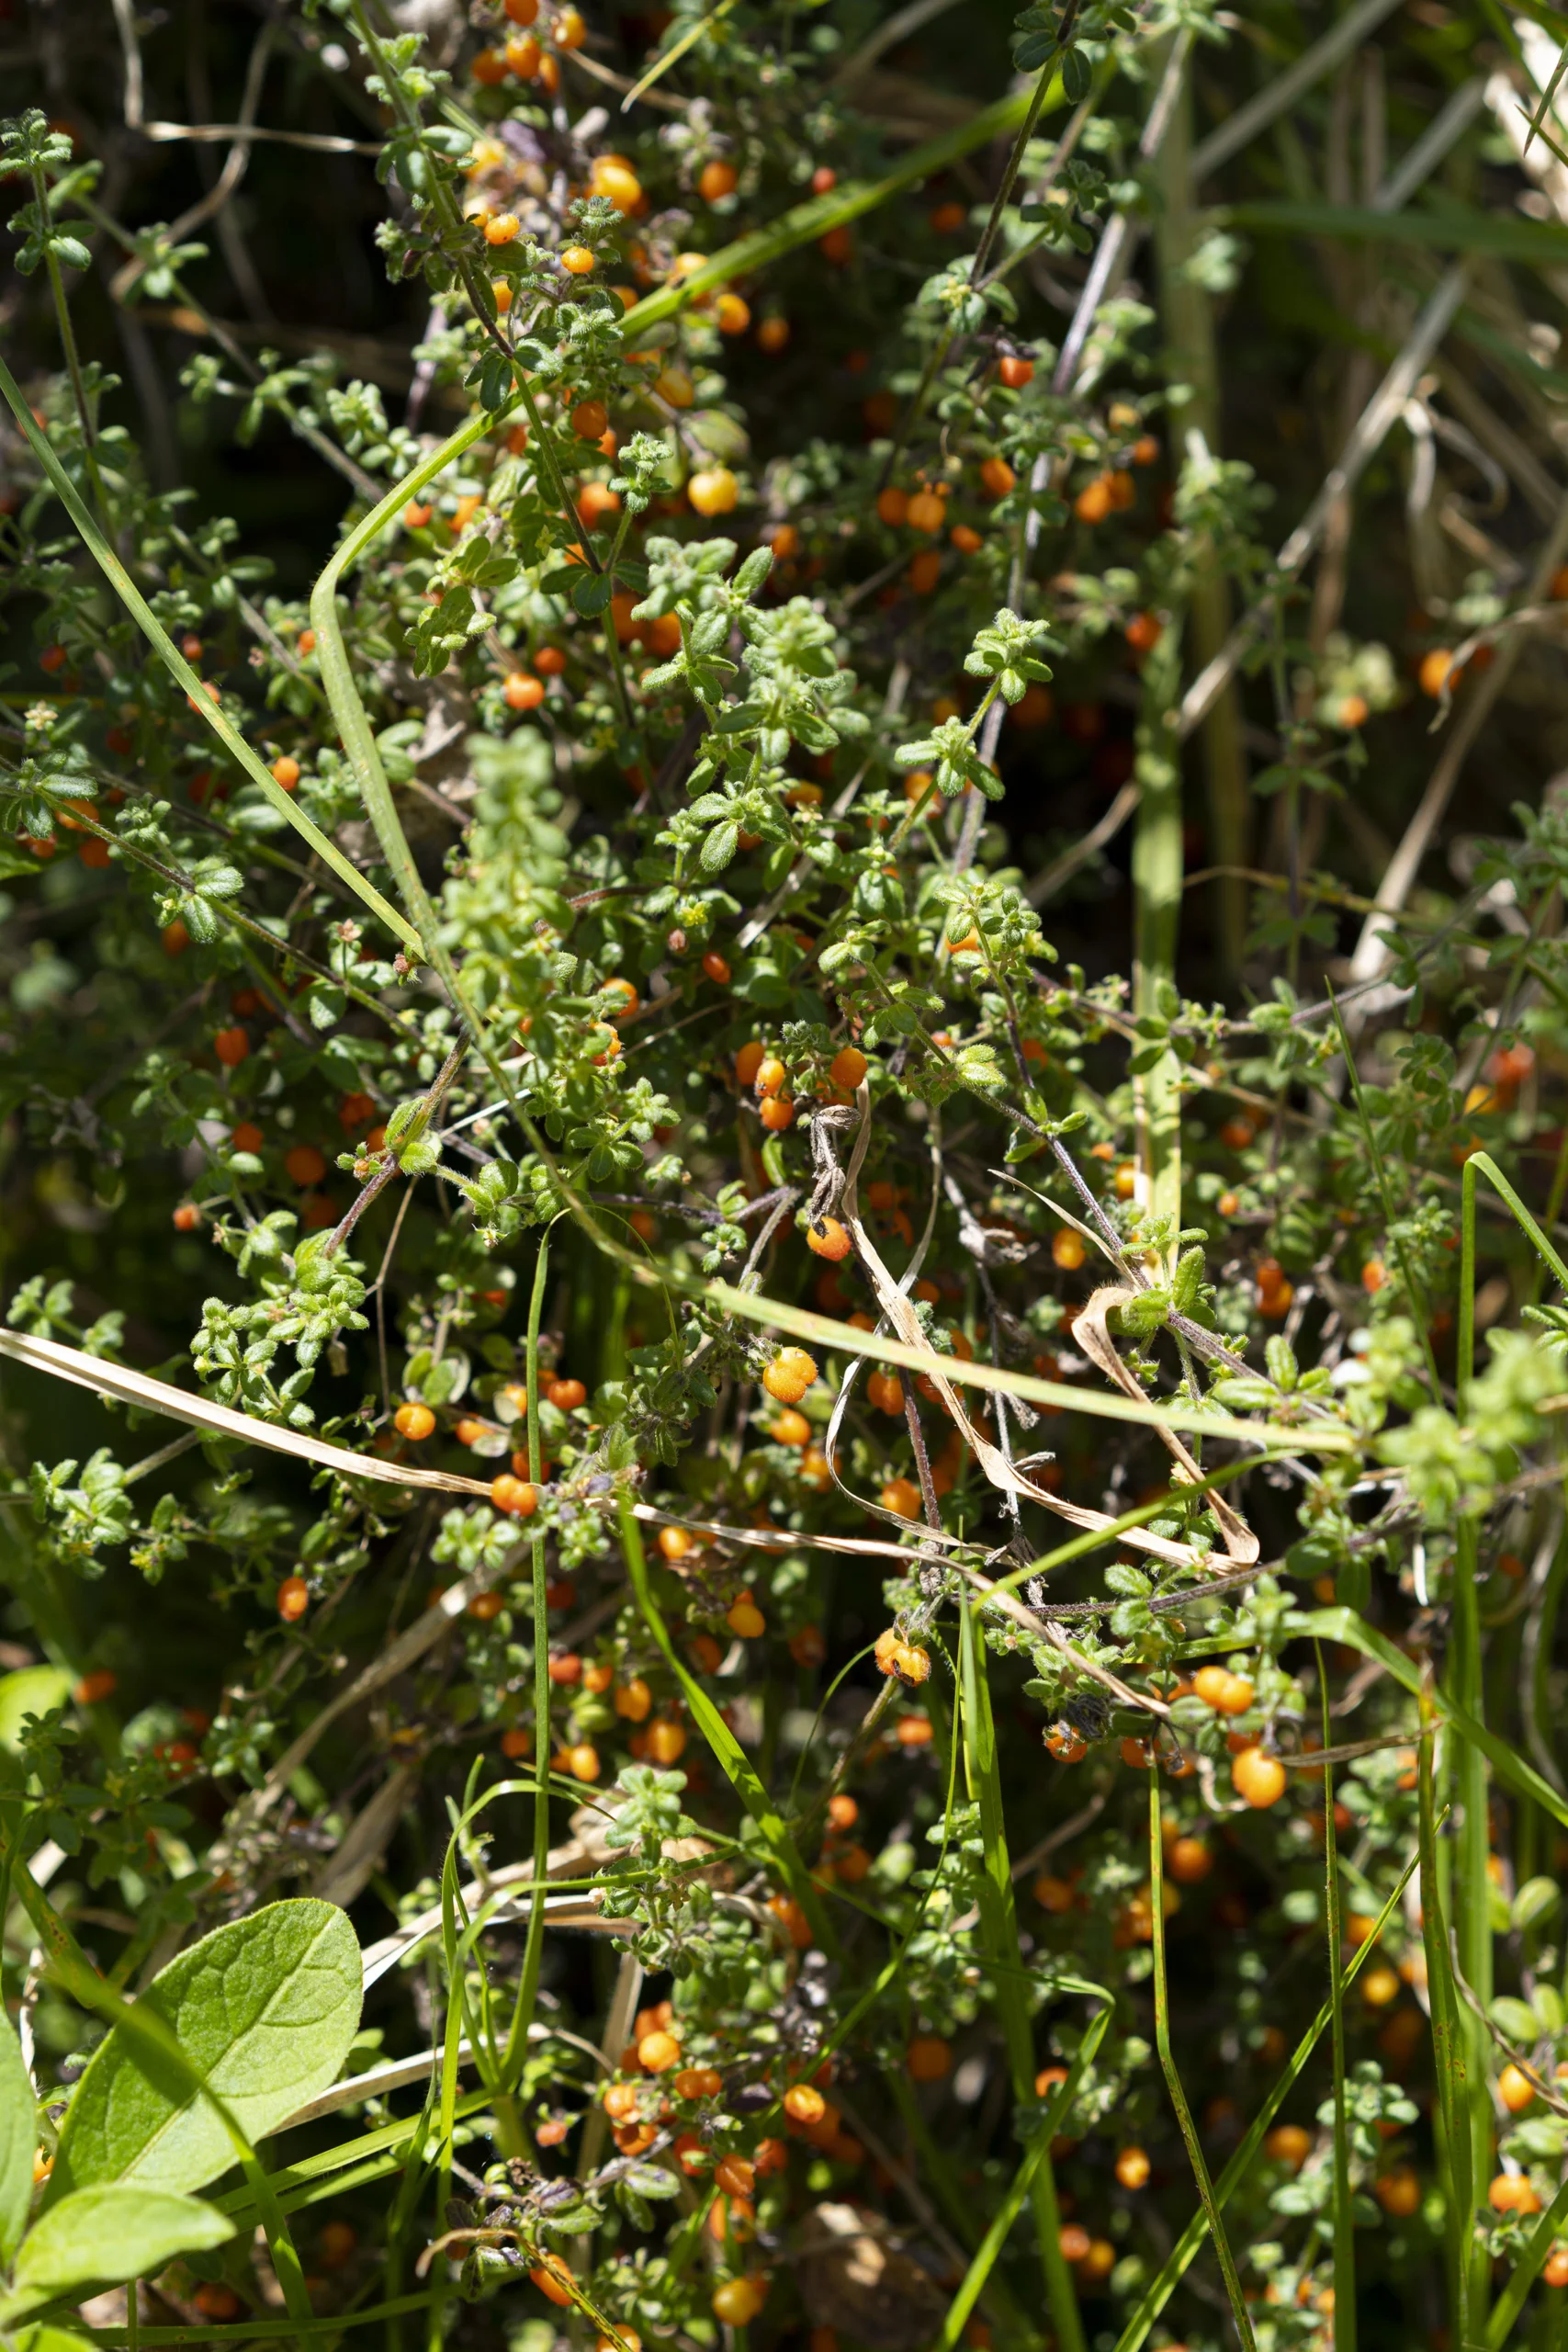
<point x="179" y="669"/>
<point x="1210" y="2202"/>
<point x="998" y="1921"/>
<point x="732" y="1756"/>
<point x="1343" y="1625"/>
<point x="1542" y="244"/>
<point x="1448" y="2043"/>
<point x="802" y="222"/>
<point x="1170" y="2276"/>
<point x="979" y="2269"/>
<point x="1481" y="1163"/>
<point x="1344" y="2203"/>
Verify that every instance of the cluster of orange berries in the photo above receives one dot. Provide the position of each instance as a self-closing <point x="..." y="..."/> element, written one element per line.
<point x="522" y="56"/>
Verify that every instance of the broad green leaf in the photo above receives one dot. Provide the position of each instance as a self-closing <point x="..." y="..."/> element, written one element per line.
<point x="19" y="2138"/>
<point x="45" y="2338"/>
<point x="265" y="2010"/>
<point x="104" y="2234"/>
<point x="32" y="1691"/>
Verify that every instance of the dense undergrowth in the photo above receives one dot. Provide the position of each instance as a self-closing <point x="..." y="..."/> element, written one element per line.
<point x="783" y="1130"/>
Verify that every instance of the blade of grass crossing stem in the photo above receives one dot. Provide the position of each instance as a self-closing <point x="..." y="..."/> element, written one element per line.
<point x="1448" y="2050"/>
<point x="1510" y="2302"/>
<point x="1343" y="1625"/>
<point x="999" y="1924"/>
<point x="1344" y="2203"/>
<point x="1210" y="2202"/>
<point x="1168" y="2278"/>
<point x="1038" y="2151"/>
<point x="726" y="1748"/>
<point x="1473" y="1853"/>
<point x="533" y="1950"/>
<point x="174" y="660"/>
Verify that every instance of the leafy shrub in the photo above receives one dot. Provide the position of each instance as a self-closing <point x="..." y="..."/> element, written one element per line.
<point x="761" y="1094"/>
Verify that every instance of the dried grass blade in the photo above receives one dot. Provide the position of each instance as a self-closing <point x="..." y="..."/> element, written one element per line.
<point x="129" y="1387"/>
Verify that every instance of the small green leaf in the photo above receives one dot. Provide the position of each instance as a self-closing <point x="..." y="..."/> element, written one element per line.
<point x="104" y="2234"/>
<point x="33" y="1690"/>
<point x="1535" y="1899"/>
<point x="19" y="2138"/>
<point x="265" y="2009"/>
<point x="1515" y="2019"/>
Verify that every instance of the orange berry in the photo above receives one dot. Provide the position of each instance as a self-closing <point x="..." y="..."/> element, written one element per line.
<point x="231" y="1046"/>
<point x="716" y="967"/>
<point x="514" y="1496"/>
<point x="789" y="1376"/>
<point x="901" y="1497"/>
<point x="1067" y="1250"/>
<point x="1516" y="2089"/>
<point x="666" y="1741"/>
<point x="523" y="691"/>
<point x="914" y="1731"/>
<point x="966" y="539"/>
<point x="716" y="180"/>
<point x="286" y="772"/>
<point x="567" y="1396"/>
<point x="1016" y="372"/>
<point x="1142" y="632"/>
<point x="791" y="1428"/>
<point x="1554" y="2270"/>
<point x="803" y="2104"/>
<point x="306" y="1165"/>
<point x="577" y="261"/>
<point x="828" y="1239"/>
<point x="893" y="506"/>
<point x="553" y="2279"/>
<point x="581" y="1761"/>
<point x="1188" y="1860"/>
<point x="501" y="228"/>
<point x="414" y="1421"/>
<point x="925" y="571"/>
<point x="997" y="476"/>
<point x="1133" y="2168"/>
<point x="926" y="511"/>
<point x="1258" y="1778"/>
<point x="847" y="1069"/>
<point x="657" y="2053"/>
<point x="1093" y="503"/>
<point x="186" y="1217"/>
<point x="713" y="490"/>
<point x="929" y="2058"/>
<point x="738" y="2300"/>
<point x="1436" y="670"/>
<point x="770" y="1075"/>
<point x="293" y="1599"/>
<point x="633" y="1700"/>
<point x="1511" y="2193"/>
<point x="745" y="1619"/>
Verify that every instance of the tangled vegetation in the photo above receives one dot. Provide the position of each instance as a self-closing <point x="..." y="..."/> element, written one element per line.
<point x="784" y="1147"/>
